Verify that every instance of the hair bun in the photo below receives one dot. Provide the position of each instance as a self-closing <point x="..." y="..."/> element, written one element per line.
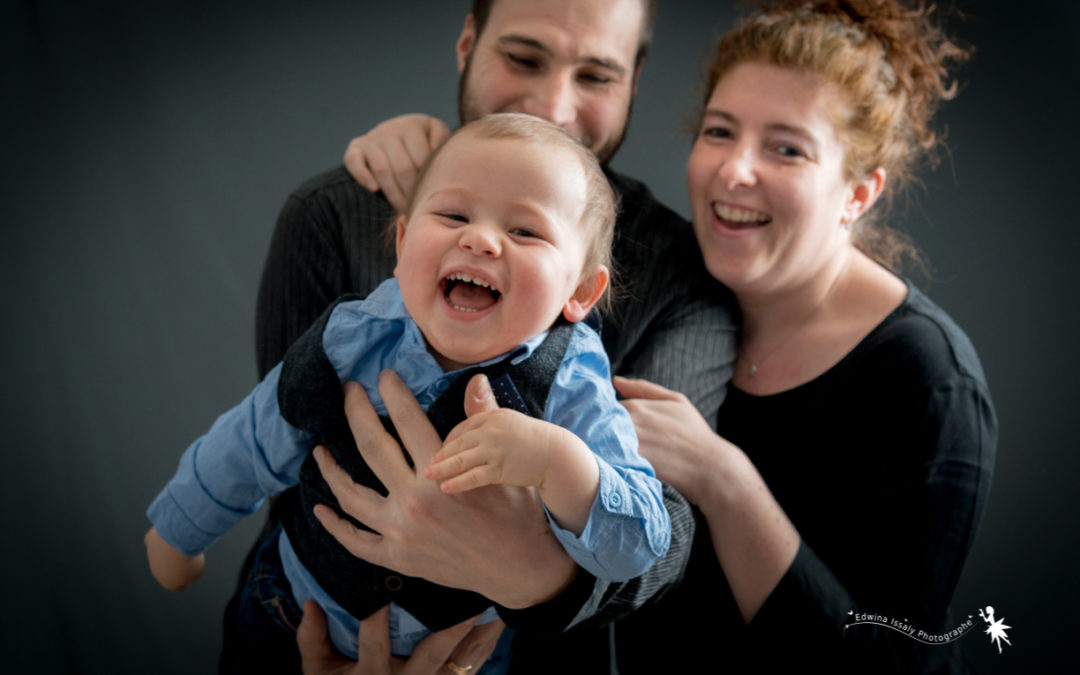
<point x="917" y="48"/>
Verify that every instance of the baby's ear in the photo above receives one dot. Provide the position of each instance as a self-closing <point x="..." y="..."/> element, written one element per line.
<point x="588" y="293"/>
<point x="399" y="236"/>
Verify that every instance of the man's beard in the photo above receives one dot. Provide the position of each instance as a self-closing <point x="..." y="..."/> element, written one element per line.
<point x="469" y="111"/>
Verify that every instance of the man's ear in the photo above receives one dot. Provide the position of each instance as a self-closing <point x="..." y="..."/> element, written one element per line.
<point x="863" y="194"/>
<point x="637" y="76"/>
<point x="588" y="293"/>
<point x="465" y="42"/>
<point x="399" y="237"/>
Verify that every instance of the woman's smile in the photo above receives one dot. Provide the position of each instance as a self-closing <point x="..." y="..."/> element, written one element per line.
<point x="737" y="218"/>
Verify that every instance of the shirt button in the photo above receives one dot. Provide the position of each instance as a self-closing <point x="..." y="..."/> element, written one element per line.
<point x="393" y="583"/>
<point x="614" y="500"/>
<point x="658" y="539"/>
<point x="440" y="386"/>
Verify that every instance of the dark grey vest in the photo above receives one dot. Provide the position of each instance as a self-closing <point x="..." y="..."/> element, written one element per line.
<point x="311" y="398"/>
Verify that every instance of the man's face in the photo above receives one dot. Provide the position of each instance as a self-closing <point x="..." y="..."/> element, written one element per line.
<point x="570" y="62"/>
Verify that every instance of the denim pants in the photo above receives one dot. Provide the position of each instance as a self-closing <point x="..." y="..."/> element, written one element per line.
<point x="267" y="616"/>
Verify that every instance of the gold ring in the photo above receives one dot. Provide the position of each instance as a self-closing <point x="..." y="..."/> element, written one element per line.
<point x="458" y="670"/>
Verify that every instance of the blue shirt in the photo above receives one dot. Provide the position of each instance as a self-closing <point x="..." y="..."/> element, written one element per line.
<point x="251" y="452"/>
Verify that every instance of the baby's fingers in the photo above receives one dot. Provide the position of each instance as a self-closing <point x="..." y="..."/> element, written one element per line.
<point x="452" y="461"/>
<point x="453" y="447"/>
<point x="475" y="477"/>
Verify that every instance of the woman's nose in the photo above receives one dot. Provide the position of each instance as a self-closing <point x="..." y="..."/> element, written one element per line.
<point x="739" y="168"/>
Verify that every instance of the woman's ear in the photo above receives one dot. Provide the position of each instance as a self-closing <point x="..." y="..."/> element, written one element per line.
<point x="863" y="194"/>
<point x="588" y="293"/>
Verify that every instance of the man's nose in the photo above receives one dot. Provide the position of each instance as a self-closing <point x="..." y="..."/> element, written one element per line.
<point x="555" y="100"/>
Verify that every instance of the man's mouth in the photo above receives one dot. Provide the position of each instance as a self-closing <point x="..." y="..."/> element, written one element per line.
<point x="469" y="294"/>
<point x="736" y="218"/>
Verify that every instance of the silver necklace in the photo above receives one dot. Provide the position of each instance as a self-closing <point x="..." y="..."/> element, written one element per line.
<point x="754" y="365"/>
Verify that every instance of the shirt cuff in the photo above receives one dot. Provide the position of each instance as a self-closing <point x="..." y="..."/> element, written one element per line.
<point x="617" y="542"/>
<point x="187" y="526"/>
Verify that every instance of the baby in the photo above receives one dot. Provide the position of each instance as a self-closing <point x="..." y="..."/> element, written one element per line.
<point x="502" y="251"/>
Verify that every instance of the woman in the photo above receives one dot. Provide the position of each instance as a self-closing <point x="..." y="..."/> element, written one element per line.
<point x="852" y="459"/>
<point x="850" y="464"/>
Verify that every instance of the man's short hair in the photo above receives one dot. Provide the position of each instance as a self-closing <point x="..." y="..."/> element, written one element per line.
<point x="481" y="10"/>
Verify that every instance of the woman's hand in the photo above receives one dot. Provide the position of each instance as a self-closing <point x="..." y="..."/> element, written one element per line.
<point x="752" y="536"/>
<point x="673" y="436"/>
<point x="421" y="532"/>
<point x="465" y="645"/>
<point x="389" y="156"/>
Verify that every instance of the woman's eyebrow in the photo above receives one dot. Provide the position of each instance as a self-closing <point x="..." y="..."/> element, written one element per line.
<point x="801" y="132"/>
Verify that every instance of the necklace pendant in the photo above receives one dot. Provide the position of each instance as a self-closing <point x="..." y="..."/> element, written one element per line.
<point x="753" y="369"/>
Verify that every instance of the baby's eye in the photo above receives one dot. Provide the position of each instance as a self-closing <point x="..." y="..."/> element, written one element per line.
<point x="789" y="151"/>
<point x="450" y="215"/>
<point x="522" y="232"/>
<point x="716" y="132"/>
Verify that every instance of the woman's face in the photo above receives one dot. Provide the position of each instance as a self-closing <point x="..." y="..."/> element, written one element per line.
<point x="767" y="191"/>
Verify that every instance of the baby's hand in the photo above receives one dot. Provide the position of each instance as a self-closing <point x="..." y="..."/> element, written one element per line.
<point x="500" y="446"/>
<point x="172" y="569"/>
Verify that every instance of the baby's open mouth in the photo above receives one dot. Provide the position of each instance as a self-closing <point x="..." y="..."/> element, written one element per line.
<point x="469" y="294"/>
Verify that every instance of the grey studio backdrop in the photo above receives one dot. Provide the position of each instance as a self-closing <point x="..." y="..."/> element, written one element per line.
<point x="147" y="148"/>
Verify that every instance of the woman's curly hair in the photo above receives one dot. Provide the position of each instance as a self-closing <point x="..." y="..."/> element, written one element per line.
<point x="888" y="65"/>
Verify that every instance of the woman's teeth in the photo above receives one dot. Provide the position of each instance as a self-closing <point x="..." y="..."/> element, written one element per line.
<point x="738" y="216"/>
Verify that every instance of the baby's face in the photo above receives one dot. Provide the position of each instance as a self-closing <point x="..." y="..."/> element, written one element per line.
<point x="493" y="250"/>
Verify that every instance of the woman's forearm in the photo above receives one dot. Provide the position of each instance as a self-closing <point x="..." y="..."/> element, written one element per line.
<point x="754" y="540"/>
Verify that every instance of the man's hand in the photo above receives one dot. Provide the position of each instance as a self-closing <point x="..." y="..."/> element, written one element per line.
<point x="465" y="644"/>
<point x="419" y="531"/>
<point x="389" y="156"/>
<point x="172" y="569"/>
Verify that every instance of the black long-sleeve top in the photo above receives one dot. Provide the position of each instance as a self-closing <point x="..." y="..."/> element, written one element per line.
<point x="883" y="464"/>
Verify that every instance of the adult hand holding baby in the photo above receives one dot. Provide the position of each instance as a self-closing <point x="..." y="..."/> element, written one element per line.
<point x="419" y="531"/>
<point x="388" y="157"/>
<point x="465" y="645"/>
